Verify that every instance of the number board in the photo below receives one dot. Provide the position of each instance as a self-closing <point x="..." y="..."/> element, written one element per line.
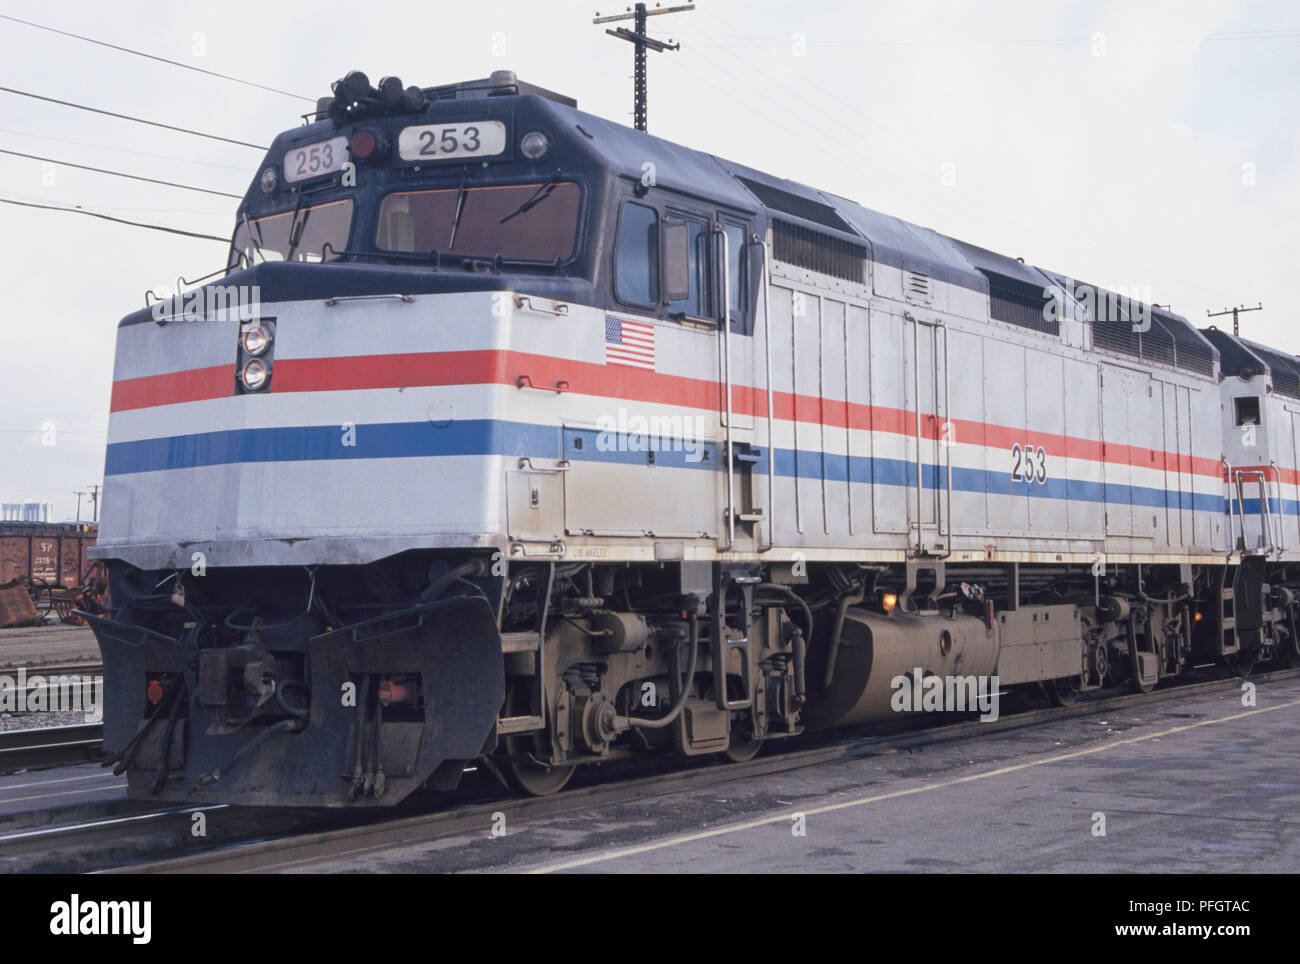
<point x="313" y="160"/>
<point x="441" y="142"/>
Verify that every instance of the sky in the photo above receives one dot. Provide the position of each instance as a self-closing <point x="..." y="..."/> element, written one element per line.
<point x="1150" y="145"/>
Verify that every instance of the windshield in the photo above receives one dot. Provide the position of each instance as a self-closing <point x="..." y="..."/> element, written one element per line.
<point x="300" y="235"/>
<point x="520" y="222"/>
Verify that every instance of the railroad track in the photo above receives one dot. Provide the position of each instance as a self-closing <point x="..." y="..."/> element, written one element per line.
<point x="49" y="746"/>
<point x="58" y="688"/>
<point x="51" y="689"/>
<point x="282" y="852"/>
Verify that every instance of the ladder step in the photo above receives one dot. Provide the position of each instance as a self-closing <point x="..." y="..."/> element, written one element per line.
<point x="519" y="642"/>
<point x="519" y="724"/>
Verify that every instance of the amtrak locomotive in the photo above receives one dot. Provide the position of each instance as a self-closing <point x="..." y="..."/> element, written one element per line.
<point x="547" y="442"/>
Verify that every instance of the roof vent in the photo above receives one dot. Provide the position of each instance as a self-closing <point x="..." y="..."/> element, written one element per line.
<point x="816" y="251"/>
<point x="917" y="287"/>
<point x="801" y="207"/>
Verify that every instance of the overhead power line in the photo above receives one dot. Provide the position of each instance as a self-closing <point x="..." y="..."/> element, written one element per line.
<point x="133" y="177"/>
<point x="848" y="42"/>
<point x="106" y="217"/>
<point x="161" y="60"/>
<point x="122" y="150"/>
<point x="138" y="120"/>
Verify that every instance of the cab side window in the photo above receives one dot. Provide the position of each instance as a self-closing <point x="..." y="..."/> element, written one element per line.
<point x="695" y="304"/>
<point x="736" y="278"/>
<point x="636" y="275"/>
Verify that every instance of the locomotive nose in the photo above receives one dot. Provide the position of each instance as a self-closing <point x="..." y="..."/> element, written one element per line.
<point x="362" y="715"/>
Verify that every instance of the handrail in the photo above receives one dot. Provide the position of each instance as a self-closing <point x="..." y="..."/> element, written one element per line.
<point x="339" y="299"/>
<point x="916" y="406"/>
<point x="936" y="326"/>
<point x="726" y="368"/>
<point x="1281" y="524"/>
<point x="1267" y="542"/>
<point x="1231" y="543"/>
<point x="771" y="437"/>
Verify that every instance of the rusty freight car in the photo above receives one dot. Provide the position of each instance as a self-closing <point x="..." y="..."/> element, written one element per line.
<point x="49" y="560"/>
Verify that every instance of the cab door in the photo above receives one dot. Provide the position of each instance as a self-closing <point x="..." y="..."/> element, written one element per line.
<point x="742" y="368"/>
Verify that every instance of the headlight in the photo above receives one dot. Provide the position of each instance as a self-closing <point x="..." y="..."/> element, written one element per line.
<point x="254" y="374"/>
<point x="534" y="145"/>
<point x="255" y="339"/>
<point x="270" y="179"/>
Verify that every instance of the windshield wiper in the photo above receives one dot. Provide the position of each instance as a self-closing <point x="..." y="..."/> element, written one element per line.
<point x="296" y="227"/>
<point x="540" y="195"/>
<point x="460" y="207"/>
<point x="248" y="234"/>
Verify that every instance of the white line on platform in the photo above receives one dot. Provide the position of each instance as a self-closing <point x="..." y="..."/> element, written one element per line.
<point x="151" y="815"/>
<point x="863" y="801"/>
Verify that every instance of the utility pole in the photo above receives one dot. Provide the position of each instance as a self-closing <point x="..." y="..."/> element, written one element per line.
<point x="94" y="502"/>
<point x="1236" y="327"/>
<point x="79" y="493"/>
<point x="640" y="41"/>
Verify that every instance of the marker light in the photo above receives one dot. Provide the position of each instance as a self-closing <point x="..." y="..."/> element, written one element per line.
<point x="534" y="145"/>
<point x="254" y="374"/>
<point x="255" y="339"/>
<point x="269" y="180"/>
<point x="369" y="145"/>
<point x="364" y="144"/>
<point x="888" y="601"/>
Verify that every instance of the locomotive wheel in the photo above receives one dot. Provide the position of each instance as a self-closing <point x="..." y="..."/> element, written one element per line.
<point x="1243" y="664"/>
<point x="1137" y="686"/>
<point x="522" y="769"/>
<point x="740" y="750"/>
<point x="1061" y="692"/>
<point x="1290" y="649"/>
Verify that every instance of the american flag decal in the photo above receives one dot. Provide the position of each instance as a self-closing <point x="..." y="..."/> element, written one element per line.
<point x="629" y="343"/>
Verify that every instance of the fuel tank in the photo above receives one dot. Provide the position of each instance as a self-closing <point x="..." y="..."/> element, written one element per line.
<point x="875" y="649"/>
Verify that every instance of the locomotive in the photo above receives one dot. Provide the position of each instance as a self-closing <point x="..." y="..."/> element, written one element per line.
<point x="547" y="442"/>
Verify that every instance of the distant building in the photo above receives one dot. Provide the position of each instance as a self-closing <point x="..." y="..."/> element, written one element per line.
<point x="26" y="511"/>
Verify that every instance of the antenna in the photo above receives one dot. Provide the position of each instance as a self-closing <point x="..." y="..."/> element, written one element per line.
<point x="640" y="41"/>
<point x="1236" y="328"/>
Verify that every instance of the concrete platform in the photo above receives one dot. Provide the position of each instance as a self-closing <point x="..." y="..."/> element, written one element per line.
<point x="54" y="643"/>
<point x="1202" y="785"/>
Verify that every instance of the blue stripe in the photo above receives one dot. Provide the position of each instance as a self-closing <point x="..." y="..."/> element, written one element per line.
<point x="498" y="437"/>
<point x="322" y="442"/>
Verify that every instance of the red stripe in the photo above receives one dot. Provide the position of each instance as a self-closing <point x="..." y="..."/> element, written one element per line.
<point x="1271" y="473"/>
<point x="493" y="367"/>
<point x="193" y="385"/>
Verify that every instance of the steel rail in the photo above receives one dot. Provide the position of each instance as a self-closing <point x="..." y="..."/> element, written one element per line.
<point x="50" y="745"/>
<point x="268" y="854"/>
